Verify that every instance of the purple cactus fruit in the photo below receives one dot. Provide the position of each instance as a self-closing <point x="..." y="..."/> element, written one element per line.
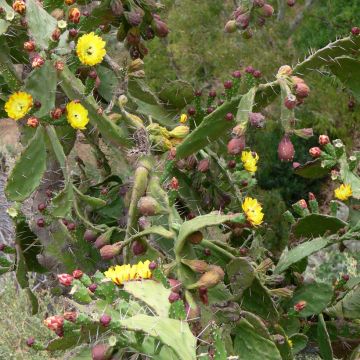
<point x="173" y="297"/>
<point x="290" y="101"/>
<point x="138" y="248"/>
<point x="257" y="119"/>
<point x="105" y="320"/>
<point x="236" y="146"/>
<point x="243" y="21"/>
<point x="90" y="236"/>
<point x="229" y="117"/>
<point x="92" y="287"/>
<point x="175" y="285"/>
<point x="152" y="266"/>
<point x="100" y="352"/>
<point x="267" y="10"/>
<point x="286" y="149"/>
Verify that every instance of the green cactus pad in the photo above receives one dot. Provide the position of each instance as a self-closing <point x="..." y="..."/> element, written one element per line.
<point x="314" y="225"/>
<point x="241" y="275"/>
<point x="24" y="179"/>
<point x="324" y="340"/>
<point x="311" y="170"/>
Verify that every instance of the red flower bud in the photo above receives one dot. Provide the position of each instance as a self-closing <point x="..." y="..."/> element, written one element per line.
<point x="40" y="222"/>
<point x="56" y="34"/>
<point x="302" y="90"/>
<point x="160" y="28"/>
<point x="138" y="248"/>
<point x="191" y="111"/>
<point x="92" y="288"/>
<point x="55" y="323"/>
<point x="30" y="341"/>
<point x="300" y="305"/>
<point x="59" y="65"/>
<point x="173" y="297"/>
<point x="257" y="74"/>
<point x="249" y="70"/>
<point x="77" y="274"/>
<point x="101" y="352"/>
<point x="90" y="236"/>
<point x="152" y="265"/>
<point x="286" y="149"/>
<point x="236" y="74"/>
<point x="228" y="84"/>
<point x="37" y="61"/>
<point x="302" y="203"/>
<point x="323" y="140"/>
<point x="355" y="31"/>
<point x="243" y="21"/>
<point x="203" y="165"/>
<point x="70" y="316"/>
<point x="291" y="3"/>
<point x="56" y="113"/>
<point x="29" y="45"/>
<point x="74" y="15"/>
<point x="345" y="277"/>
<point x="315" y="152"/>
<point x="174" y="183"/>
<point x="311" y="196"/>
<point x="65" y="279"/>
<point x="33" y="122"/>
<point x="105" y="320"/>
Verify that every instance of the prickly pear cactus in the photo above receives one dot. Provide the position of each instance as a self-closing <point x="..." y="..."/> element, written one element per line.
<point x="153" y="227"/>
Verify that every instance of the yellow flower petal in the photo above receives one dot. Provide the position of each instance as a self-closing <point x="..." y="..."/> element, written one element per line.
<point x="77" y="115"/>
<point x="90" y="49"/>
<point x="18" y="105"/>
<point x="249" y="160"/>
<point x="343" y="192"/>
<point x="253" y="211"/>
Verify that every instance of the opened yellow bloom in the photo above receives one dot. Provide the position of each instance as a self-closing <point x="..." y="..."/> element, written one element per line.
<point x="120" y="274"/>
<point x="253" y="211"/>
<point x="183" y="118"/>
<point x="18" y="105"/>
<point x="77" y="115"/>
<point x="343" y="192"/>
<point x="91" y="49"/>
<point x="249" y="160"/>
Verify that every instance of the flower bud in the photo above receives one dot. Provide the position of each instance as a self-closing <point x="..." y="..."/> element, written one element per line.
<point x="243" y="21"/>
<point x="267" y="10"/>
<point x="133" y="18"/>
<point x="257" y="119"/>
<point x="175" y="285"/>
<point x="180" y="131"/>
<point x="29" y="45"/>
<point x="229" y="117"/>
<point x="300" y="305"/>
<point x="32" y="121"/>
<point x="59" y="65"/>
<point x="77" y="274"/>
<point x="101" y="352"/>
<point x="73" y="32"/>
<point x="108" y="252"/>
<point x="302" y="90"/>
<point x="148" y="206"/>
<point x="92" y="288"/>
<point x="65" y="279"/>
<point x="210" y="278"/>
<point x="355" y="31"/>
<point x="40" y="223"/>
<point x="174" y="184"/>
<point x="305" y="133"/>
<point x="71" y="226"/>
<point x="191" y="111"/>
<point x="345" y="277"/>
<point x="55" y="323"/>
<point x="315" y="152"/>
<point x="257" y="74"/>
<point x="236" y="146"/>
<point x="203" y="165"/>
<point x="199" y="266"/>
<point x="173" y="297"/>
<point x="37" y="61"/>
<point x="19" y="6"/>
<point x="290" y="101"/>
<point x="302" y="203"/>
<point x="138" y="248"/>
<point x="105" y="320"/>
<point x="30" y="341"/>
<point x="90" y="236"/>
<point x="56" y="34"/>
<point x="104" y="239"/>
<point x="207" y="252"/>
<point x="324" y="140"/>
<point x="286" y="150"/>
<point x="195" y="238"/>
<point x="160" y="28"/>
<point x="70" y="316"/>
<point x="291" y="3"/>
<point x="228" y="84"/>
<point x="74" y="15"/>
<point x="284" y="70"/>
<point x="152" y="265"/>
<point x="117" y="7"/>
<point x="236" y="74"/>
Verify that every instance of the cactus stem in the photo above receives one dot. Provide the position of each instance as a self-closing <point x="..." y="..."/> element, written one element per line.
<point x="212" y="246"/>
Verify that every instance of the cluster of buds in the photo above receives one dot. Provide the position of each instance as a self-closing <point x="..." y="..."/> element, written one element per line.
<point x="248" y="16"/>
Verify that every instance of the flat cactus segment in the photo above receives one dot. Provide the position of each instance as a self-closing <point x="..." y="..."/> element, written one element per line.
<point x="317" y="296"/>
<point x="315" y="225"/>
<point x="36" y="15"/>
<point x="29" y="169"/>
<point x="177" y="94"/>
<point x="300" y="252"/>
<point x="241" y="275"/>
<point x="324" y="340"/>
<point x="173" y="333"/>
<point x="348" y="177"/>
<point x="348" y="306"/>
<point x="152" y="293"/>
<point x="311" y="170"/>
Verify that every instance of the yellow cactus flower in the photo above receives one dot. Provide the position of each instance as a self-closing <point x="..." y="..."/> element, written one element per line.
<point x="290" y="342"/>
<point x="253" y="211"/>
<point x="183" y="118"/>
<point x="77" y="115"/>
<point x="120" y="274"/>
<point x="180" y="132"/>
<point x="91" y="49"/>
<point x="249" y="160"/>
<point x="343" y="192"/>
<point x="18" y="105"/>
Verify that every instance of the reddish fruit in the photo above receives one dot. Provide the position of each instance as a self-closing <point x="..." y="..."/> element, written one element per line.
<point x="55" y="323"/>
<point x="257" y="119"/>
<point x="195" y="237"/>
<point x="42" y="207"/>
<point x="236" y="146"/>
<point x="197" y="93"/>
<point x="29" y="45"/>
<point x="315" y="152"/>
<point x="56" y="34"/>
<point x="203" y="165"/>
<point x="77" y="274"/>
<point x="290" y="101"/>
<point x="175" y="285"/>
<point x="191" y="111"/>
<point x="108" y="252"/>
<point x="311" y="196"/>
<point x="302" y="90"/>
<point x="56" y="113"/>
<point x="40" y="222"/>
<point x="37" y="61"/>
<point x="323" y="140"/>
<point x="73" y="32"/>
<point x="92" y="288"/>
<point x="236" y="74"/>
<point x="302" y="203"/>
<point x="229" y="117"/>
<point x="174" y="184"/>
<point x="286" y="149"/>
<point x="152" y="266"/>
<point x="90" y="236"/>
<point x="71" y="226"/>
<point x="239" y="11"/>
<point x="243" y="251"/>
<point x="259" y="3"/>
<point x="230" y="26"/>
<point x="291" y="3"/>
<point x="160" y="28"/>
<point x="249" y="70"/>
<point x="257" y="74"/>
<point x="37" y="104"/>
<point x="173" y="297"/>
<point x="243" y="21"/>
<point x="65" y="279"/>
<point x="267" y="10"/>
<point x="231" y="164"/>
<point x="355" y="30"/>
<point x="138" y="248"/>
<point x="228" y="84"/>
<point x="212" y="93"/>
<point x="345" y="277"/>
<point x="30" y="341"/>
<point x="147" y="206"/>
<point x="209" y="110"/>
<point x="296" y="165"/>
<point x="100" y="352"/>
<point x="2" y="247"/>
<point x="300" y="305"/>
<point x="105" y="320"/>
